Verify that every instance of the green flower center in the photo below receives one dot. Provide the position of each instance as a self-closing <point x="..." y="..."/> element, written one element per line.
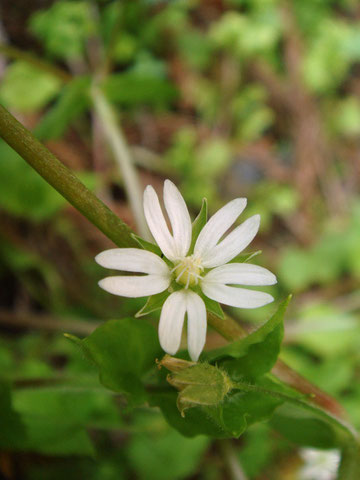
<point x="188" y="271"/>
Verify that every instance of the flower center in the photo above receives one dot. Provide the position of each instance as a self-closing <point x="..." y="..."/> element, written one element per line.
<point x="188" y="271"/>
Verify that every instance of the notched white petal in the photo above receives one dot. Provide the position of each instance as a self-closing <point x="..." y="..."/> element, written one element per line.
<point x="132" y="260"/>
<point x="234" y="296"/>
<point x="172" y="321"/>
<point x="233" y="244"/>
<point x="179" y="218"/>
<point x="218" y="224"/>
<point x="135" y="286"/>
<point x="196" y="324"/>
<point x="157" y="224"/>
<point x="240" y="274"/>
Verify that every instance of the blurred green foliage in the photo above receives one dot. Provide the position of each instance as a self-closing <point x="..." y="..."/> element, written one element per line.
<point x="207" y="91"/>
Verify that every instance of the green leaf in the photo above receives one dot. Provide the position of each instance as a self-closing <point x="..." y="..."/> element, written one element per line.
<point x="12" y="430"/>
<point x="155" y="442"/>
<point x="155" y="302"/>
<point x="56" y="418"/>
<point x="303" y="429"/>
<point x="72" y="102"/>
<point x="123" y="350"/>
<point x="64" y="28"/>
<point x="199" y="223"/>
<point x="242" y="409"/>
<point x="255" y="354"/>
<point x="151" y="247"/>
<point x="27" y="88"/>
<point x="131" y="89"/>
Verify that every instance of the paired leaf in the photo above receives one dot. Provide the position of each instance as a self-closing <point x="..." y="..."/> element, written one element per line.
<point x="255" y="354"/>
<point x="123" y="350"/>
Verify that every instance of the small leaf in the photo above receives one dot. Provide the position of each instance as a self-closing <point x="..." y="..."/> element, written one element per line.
<point x="155" y="302"/>
<point x="151" y="247"/>
<point x="255" y="354"/>
<point x="123" y="350"/>
<point x="199" y="223"/>
<point x="72" y="102"/>
<point x="27" y="88"/>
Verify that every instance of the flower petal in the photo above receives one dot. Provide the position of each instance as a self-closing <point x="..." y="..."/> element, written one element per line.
<point x="135" y="286"/>
<point x="240" y="274"/>
<point x="157" y="224"/>
<point x="218" y="224"/>
<point x="172" y="321"/>
<point x="179" y="218"/>
<point x="196" y="324"/>
<point x="132" y="260"/>
<point x="235" y="297"/>
<point x="233" y="244"/>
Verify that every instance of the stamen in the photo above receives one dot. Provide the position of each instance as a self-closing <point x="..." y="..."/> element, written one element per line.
<point x="188" y="271"/>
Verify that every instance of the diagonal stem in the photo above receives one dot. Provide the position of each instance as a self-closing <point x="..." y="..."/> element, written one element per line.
<point x="63" y="180"/>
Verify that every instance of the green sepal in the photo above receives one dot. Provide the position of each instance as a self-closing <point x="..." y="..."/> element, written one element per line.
<point x="144" y="244"/>
<point x="155" y="302"/>
<point x="200" y="385"/>
<point x="212" y="306"/>
<point x="245" y="257"/>
<point x="199" y="223"/>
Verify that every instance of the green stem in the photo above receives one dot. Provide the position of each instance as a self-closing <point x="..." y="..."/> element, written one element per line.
<point x="120" y="151"/>
<point x="63" y="180"/>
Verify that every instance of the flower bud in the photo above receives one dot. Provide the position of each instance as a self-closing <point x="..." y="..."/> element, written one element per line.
<point x="199" y="384"/>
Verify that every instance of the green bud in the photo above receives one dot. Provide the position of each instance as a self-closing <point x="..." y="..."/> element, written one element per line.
<point x="199" y="384"/>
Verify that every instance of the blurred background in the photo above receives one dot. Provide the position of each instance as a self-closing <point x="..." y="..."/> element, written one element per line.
<point x="228" y="98"/>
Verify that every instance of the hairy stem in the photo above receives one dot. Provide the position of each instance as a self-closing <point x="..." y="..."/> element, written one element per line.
<point x="63" y="180"/>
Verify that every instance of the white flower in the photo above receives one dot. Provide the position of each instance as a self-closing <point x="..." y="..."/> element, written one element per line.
<point x="187" y="271"/>
<point x="319" y="464"/>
